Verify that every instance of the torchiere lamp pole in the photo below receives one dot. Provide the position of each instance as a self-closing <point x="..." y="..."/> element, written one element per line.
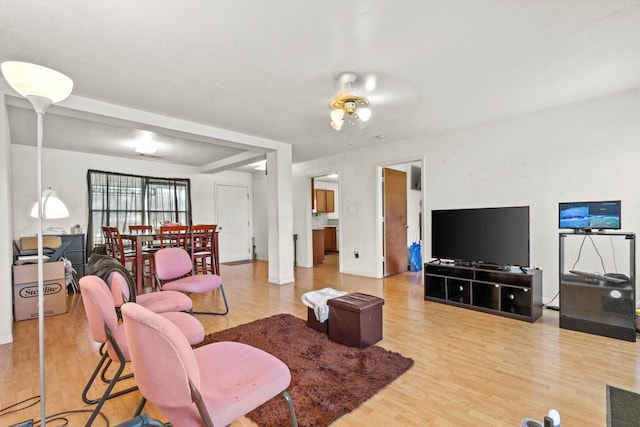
<point x="42" y="86"/>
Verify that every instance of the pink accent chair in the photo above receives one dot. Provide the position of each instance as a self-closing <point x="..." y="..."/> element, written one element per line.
<point x="105" y="329"/>
<point x="158" y="302"/>
<point x="174" y="271"/>
<point x="211" y="385"/>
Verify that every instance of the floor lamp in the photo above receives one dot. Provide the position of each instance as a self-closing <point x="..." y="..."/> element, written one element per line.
<point x="42" y="87"/>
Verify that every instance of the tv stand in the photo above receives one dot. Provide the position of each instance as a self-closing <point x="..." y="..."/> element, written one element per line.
<point x="598" y="303"/>
<point x="513" y="292"/>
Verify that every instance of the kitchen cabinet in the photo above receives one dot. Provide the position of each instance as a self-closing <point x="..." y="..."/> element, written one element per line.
<point x="330" y="241"/>
<point x="325" y="201"/>
<point x="318" y="246"/>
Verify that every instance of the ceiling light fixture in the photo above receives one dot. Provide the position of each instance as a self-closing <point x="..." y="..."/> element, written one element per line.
<point x="146" y="146"/>
<point x="351" y="109"/>
<point x="348" y="105"/>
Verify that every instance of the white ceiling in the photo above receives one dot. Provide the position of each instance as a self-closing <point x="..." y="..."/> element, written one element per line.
<point x="267" y="68"/>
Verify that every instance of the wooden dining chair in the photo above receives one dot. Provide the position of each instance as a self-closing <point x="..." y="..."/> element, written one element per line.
<point x="203" y="249"/>
<point x="107" y="234"/>
<point x="149" y="249"/>
<point x="140" y="229"/>
<point x="174" y="236"/>
<point x="127" y="256"/>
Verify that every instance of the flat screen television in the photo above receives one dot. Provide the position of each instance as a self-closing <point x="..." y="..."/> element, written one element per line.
<point x="590" y="215"/>
<point x="490" y="236"/>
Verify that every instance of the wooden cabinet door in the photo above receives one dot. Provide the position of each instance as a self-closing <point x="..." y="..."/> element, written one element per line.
<point x="330" y="244"/>
<point x="330" y="201"/>
<point x="321" y="201"/>
<point x="318" y="247"/>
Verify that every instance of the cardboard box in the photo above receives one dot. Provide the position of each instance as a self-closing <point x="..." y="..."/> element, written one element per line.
<point x="25" y="290"/>
<point x="31" y="242"/>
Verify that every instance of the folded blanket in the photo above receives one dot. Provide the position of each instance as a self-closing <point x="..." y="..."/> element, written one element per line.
<point x="317" y="301"/>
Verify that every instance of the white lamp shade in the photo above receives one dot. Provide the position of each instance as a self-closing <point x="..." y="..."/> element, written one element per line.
<point x="52" y="206"/>
<point x="35" y="80"/>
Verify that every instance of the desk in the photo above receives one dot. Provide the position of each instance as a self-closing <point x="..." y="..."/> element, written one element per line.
<point x="138" y="240"/>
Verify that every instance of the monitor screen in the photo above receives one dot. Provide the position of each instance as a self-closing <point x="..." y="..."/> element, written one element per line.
<point x="488" y="235"/>
<point x="590" y="215"/>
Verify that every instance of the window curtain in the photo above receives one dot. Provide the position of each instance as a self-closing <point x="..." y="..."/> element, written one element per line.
<point x="120" y="200"/>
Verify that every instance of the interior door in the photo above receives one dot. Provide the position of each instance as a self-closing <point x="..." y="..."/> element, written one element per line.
<point x="394" y="205"/>
<point x="232" y="208"/>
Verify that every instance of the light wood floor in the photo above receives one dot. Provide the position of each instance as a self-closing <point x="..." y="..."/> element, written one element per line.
<point x="471" y="368"/>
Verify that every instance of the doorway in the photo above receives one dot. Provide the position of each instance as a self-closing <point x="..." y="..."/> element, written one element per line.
<point x="401" y="215"/>
<point x="394" y="226"/>
<point x="325" y="219"/>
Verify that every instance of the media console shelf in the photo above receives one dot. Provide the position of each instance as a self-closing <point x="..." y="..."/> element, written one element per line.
<point x="510" y="293"/>
<point x="591" y="303"/>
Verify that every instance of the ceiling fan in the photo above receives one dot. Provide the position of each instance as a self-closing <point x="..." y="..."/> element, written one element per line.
<point x="350" y="105"/>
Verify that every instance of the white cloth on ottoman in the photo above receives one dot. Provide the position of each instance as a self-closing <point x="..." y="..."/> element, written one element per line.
<point x="317" y="301"/>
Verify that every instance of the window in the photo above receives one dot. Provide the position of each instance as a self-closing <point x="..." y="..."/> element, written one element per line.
<point x="120" y="200"/>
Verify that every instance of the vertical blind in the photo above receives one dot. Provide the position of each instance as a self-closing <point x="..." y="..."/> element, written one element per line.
<point x="120" y="200"/>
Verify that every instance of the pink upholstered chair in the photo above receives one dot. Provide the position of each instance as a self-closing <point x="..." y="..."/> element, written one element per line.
<point x="123" y="287"/>
<point x="174" y="272"/>
<point x="105" y="329"/>
<point x="158" y="302"/>
<point x="212" y="385"/>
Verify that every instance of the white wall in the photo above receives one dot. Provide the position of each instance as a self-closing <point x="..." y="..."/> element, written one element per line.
<point x="66" y="172"/>
<point x="584" y="151"/>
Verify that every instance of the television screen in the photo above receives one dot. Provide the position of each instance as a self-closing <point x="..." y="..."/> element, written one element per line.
<point x="490" y="235"/>
<point x="590" y="215"/>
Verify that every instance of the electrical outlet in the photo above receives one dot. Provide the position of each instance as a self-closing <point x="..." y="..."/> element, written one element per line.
<point x="356" y="254"/>
<point x="28" y="423"/>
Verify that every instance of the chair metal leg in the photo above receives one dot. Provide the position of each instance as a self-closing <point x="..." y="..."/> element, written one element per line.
<point x="140" y="407"/>
<point x="85" y="399"/>
<point x="107" y="393"/>
<point x="226" y="306"/>
<point x="117" y="377"/>
<point x="292" y="410"/>
<point x="107" y="380"/>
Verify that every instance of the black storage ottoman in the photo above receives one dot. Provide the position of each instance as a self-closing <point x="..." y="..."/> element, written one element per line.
<point x="355" y="319"/>
<point x="314" y="323"/>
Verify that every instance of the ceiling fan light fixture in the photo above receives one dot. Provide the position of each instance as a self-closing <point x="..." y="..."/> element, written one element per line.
<point x="337" y="119"/>
<point x="364" y="114"/>
<point x="350" y="108"/>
